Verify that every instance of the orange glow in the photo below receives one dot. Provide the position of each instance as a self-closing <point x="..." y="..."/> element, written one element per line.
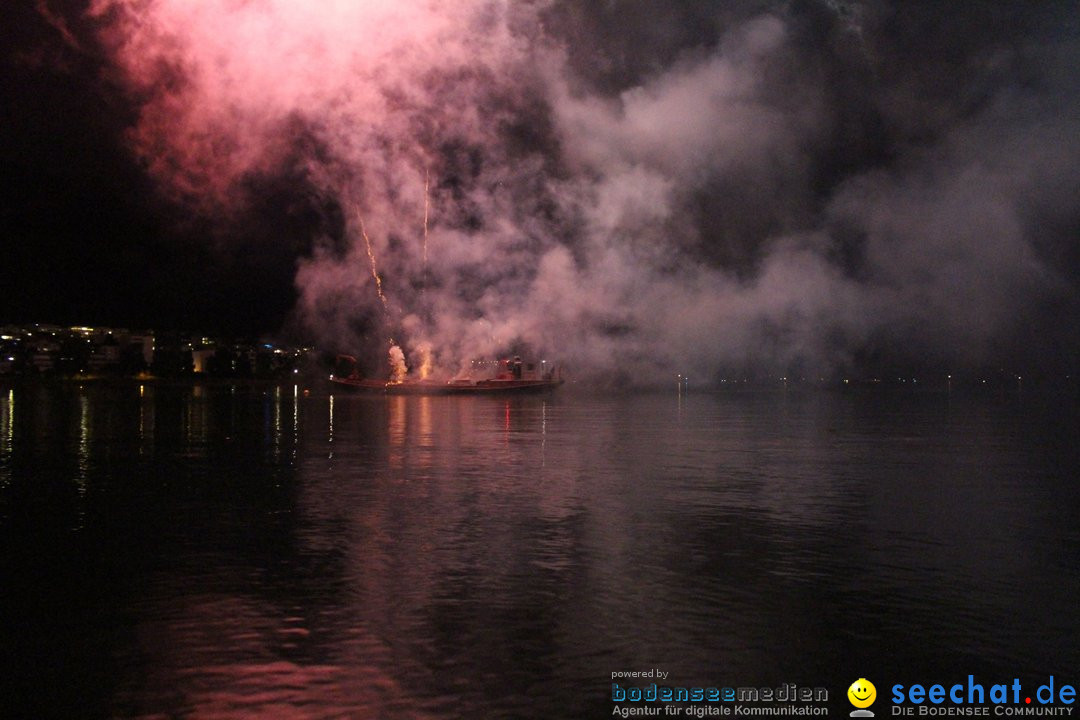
<point x="398" y="368"/>
<point x="426" y="361"/>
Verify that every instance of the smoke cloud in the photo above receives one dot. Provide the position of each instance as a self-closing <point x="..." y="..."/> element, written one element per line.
<point x="766" y="186"/>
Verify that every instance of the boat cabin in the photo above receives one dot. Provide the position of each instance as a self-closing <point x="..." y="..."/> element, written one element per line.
<point x="517" y="369"/>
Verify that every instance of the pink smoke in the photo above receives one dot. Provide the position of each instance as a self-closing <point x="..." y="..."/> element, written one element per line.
<point x="222" y="80"/>
<point x="577" y="243"/>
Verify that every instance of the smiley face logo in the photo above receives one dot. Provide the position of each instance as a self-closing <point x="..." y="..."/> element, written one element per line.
<point x="862" y="693"/>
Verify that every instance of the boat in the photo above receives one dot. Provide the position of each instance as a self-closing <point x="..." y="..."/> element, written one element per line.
<point x="512" y="375"/>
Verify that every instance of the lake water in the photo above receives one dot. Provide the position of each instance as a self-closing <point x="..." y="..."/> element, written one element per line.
<point x="217" y="551"/>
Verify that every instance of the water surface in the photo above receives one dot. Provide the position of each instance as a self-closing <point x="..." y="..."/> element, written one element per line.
<point x="222" y="551"/>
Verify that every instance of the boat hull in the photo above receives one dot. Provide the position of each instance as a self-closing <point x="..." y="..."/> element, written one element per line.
<point x="484" y="387"/>
<point x="388" y="388"/>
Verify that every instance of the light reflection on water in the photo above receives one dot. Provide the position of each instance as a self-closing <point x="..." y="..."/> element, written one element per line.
<point x="7" y="435"/>
<point x="215" y="551"/>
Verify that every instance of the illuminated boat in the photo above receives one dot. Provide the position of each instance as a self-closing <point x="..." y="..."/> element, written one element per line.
<point x="511" y="375"/>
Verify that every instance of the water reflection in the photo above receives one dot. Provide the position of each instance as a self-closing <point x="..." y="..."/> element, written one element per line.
<point x="330" y="430"/>
<point x="425" y="427"/>
<point x="295" y="421"/>
<point x="443" y="557"/>
<point x="543" y="433"/>
<point x="7" y="435"/>
<point x="397" y="413"/>
<point x="275" y="407"/>
<point x="82" y="454"/>
<point x="196" y="420"/>
<point x="147" y="415"/>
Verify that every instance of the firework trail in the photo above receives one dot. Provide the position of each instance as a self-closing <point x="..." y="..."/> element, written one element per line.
<point x="374" y="267"/>
<point x="427" y="201"/>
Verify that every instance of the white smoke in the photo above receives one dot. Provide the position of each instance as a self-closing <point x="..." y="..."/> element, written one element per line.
<point x="398" y="369"/>
<point x="671" y="226"/>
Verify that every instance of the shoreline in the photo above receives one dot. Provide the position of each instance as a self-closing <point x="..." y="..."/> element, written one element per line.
<point x="160" y="381"/>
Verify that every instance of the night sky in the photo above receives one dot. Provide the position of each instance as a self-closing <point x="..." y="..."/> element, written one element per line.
<point x="810" y="184"/>
<point x="87" y="236"/>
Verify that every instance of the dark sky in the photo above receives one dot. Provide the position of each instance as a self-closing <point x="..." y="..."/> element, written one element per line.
<point x="880" y="134"/>
<point x="86" y="236"/>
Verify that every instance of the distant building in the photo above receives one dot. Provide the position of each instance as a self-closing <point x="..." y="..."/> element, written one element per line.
<point x="104" y="354"/>
<point x="44" y="354"/>
<point x="106" y="350"/>
<point x="143" y="344"/>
